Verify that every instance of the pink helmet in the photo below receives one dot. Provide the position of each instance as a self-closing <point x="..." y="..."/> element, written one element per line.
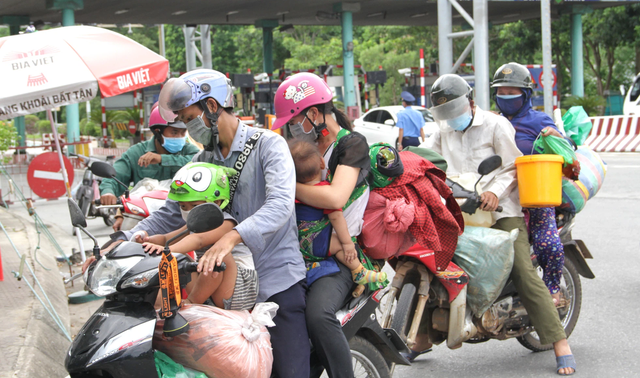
<point x="297" y="93"/>
<point x="155" y="119"/>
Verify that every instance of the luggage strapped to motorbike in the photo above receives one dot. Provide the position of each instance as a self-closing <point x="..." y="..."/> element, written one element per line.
<point x="311" y="229"/>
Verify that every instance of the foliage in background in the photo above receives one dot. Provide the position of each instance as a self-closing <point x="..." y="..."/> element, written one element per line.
<point x="594" y="104"/>
<point x="8" y="137"/>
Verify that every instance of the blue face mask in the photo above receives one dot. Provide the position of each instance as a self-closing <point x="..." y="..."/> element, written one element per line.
<point x="510" y="104"/>
<point x="461" y="122"/>
<point x="173" y="145"/>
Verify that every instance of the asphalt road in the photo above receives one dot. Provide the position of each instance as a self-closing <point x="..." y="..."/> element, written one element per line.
<point x="605" y="340"/>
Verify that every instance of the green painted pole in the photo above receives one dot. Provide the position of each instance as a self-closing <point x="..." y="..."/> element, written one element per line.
<point x="267" y="49"/>
<point x="347" y="60"/>
<point x="73" y="115"/>
<point x="577" y="68"/>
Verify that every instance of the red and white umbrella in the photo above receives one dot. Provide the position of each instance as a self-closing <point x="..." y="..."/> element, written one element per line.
<point x="57" y="67"/>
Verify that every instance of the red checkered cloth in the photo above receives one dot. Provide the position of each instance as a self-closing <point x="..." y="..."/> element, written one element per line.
<point x="436" y="226"/>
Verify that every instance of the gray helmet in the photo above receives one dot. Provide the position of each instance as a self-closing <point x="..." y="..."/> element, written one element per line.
<point x="513" y="75"/>
<point x="447" y="88"/>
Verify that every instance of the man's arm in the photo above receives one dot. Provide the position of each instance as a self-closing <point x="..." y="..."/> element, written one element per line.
<point x="175" y="160"/>
<point x="504" y="144"/>
<point x="123" y="173"/>
<point x="162" y="221"/>
<point x="280" y="179"/>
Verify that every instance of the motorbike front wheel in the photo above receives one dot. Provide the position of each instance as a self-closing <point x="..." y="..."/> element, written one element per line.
<point x="366" y="359"/>
<point x="405" y="308"/>
<point x="571" y="289"/>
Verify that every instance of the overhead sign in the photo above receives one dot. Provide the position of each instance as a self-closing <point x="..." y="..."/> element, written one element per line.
<point x="536" y="75"/>
<point x="45" y="175"/>
<point x="119" y="102"/>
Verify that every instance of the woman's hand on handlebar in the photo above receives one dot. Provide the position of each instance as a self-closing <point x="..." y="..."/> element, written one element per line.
<point x="151" y="248"/>
<point x="489" y="201"/>
<point x="140" y="237"/>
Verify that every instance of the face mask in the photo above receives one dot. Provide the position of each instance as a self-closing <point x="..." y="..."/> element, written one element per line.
<point x="201" y="133"/>
<point x="509" y="104"/>
<point x="297" y="131"/>
<point x="461" y="122"/>
<point x="173" y="145"/>
<point x="185" y="214"/>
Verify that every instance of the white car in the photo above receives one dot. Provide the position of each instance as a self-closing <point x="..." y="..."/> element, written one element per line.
<point x="379" y="124"/>
<point x="632" y="99"/>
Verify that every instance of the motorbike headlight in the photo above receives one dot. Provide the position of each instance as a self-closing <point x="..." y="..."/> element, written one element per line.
<point x="136" y="210"/>
<point x="107" y="273"/>
<point x="153" y="204"/>
<point x="140" y="280"/>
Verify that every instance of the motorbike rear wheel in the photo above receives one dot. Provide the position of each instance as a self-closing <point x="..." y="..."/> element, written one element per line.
<point x="366" y="359"/>
<point x="571" y="288"/>
<point x="405" y="308"/>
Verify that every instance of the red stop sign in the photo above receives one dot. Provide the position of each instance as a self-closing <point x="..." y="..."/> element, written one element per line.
<point x="132" y="127"/>
<point x="45" y="175"/>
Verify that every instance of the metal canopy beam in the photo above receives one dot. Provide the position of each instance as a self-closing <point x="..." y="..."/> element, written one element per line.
<point x="194" y="35"/>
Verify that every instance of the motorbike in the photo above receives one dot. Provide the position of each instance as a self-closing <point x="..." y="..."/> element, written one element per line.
<point x="415" y="296"/>
<point x="89" y="191"/>
<point x="144" y="198"/>
<point x="116" y="340"/>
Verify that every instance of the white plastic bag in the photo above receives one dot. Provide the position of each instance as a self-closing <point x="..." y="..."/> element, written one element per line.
<point x="486" y="255"/>
<point x="222" y="343"/>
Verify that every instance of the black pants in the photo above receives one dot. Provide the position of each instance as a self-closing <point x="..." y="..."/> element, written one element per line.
<point x="289" y="338"/>
<point x="410" y="141"/>
<point x="324" y="298"/>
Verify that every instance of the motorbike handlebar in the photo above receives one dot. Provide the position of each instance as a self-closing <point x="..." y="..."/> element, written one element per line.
<point x="98" y="203"/>
<point x="192" y="267"/>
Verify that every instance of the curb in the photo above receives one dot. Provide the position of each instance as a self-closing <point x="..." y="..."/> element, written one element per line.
<point x="37" y="347"/>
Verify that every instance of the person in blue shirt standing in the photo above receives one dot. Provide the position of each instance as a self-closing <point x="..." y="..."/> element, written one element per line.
<point x="410" y="123"/>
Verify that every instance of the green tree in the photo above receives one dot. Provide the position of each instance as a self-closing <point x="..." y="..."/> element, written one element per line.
<point x="8" y="135"/>
<point x="30" y="124"/>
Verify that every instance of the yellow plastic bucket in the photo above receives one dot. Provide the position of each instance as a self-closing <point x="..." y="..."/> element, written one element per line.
<point x="540" y="180"/>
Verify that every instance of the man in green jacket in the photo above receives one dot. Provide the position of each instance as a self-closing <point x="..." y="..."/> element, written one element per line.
<point x="158" y="158"/>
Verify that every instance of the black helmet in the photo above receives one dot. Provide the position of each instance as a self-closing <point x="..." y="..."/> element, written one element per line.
<point x="447" y="88"/>
<point x="513" y="75"/>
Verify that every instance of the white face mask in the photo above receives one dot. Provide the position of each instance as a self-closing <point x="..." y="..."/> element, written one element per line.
<point x="297" y="131"/>
<point x="185" y="214"/>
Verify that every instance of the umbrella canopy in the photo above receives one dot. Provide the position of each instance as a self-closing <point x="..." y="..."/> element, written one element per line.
<point x="57" y="67"/>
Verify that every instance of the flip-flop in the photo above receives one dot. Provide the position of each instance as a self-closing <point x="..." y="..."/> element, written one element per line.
<point x="413" y="354"/>
<point x="566" y="361"/>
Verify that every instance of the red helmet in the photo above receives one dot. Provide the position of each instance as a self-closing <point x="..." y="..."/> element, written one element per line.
<point x="296" y="94"/>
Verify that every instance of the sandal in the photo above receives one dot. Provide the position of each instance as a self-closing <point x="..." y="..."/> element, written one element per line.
<point x="563" y="362"/>
<point x="412" y="355"/>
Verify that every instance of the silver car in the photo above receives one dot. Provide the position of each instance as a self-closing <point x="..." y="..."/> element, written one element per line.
<point x="379" y="124"/>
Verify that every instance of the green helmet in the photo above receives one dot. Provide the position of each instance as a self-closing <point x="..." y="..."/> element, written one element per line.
<point x="202" y="182"/>
<point x="385" y="164"/>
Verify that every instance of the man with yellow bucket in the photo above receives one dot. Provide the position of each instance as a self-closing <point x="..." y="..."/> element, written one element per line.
<point x="467" y="136"/>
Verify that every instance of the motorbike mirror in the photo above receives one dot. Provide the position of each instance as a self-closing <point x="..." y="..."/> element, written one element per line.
<point x="77" y="217"/>
<point x="489" y="165"/>
<point x="205" y="217"/>
<point x="102" y="169"/>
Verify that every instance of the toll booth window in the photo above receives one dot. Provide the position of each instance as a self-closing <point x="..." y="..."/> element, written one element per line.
<point x="385" y="116"/>
<point x="372" y="117"/>
<point x="635" y="91"/>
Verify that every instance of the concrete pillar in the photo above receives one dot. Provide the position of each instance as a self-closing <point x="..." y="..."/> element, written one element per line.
<point x="190" y="48"/>
<point x="547" y="74"/>
<point x="350" y="90"/>
<point x="68" y="7"/>
<point x="14" y="23"/>
<point x="481" y="53"/>
<point x="445" y="44"/>
<point x="577" y="60"/>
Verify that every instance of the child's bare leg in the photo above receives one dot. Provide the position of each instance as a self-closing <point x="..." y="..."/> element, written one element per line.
<point x="219" y="288"/>
<point x="358" y="272"/>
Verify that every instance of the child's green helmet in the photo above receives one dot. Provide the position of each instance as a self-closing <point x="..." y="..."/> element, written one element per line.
<point x="202" y="182"/>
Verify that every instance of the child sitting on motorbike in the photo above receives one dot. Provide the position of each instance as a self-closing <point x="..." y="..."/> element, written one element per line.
<point x="314" y="231"/>
<point x="237" y="287"/>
